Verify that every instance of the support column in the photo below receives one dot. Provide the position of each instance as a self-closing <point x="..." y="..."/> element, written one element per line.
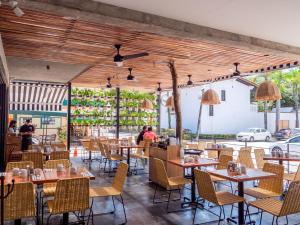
<point x="69" y="116"/>
<point x="3" y="122"/>
<point x="158" y="102"/>
<point x="118" y="113"/>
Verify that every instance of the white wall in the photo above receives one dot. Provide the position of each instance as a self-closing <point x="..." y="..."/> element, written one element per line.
<point x="231" y="116"/>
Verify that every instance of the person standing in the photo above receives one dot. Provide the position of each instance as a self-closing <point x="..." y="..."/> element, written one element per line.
<point x="12" y="127"/>
<point x="26" y="132"/>
<point x="150" y="134"/>
<point x="141" y="135"/>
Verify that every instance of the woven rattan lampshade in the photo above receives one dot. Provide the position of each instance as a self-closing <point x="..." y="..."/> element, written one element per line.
<point x="267" y="91"/>
<point x="147" y="104"/>
<point x="210" y="97"/>
<point x="170" y="102"/>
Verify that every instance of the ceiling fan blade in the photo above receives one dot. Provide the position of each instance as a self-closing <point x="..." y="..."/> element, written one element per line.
<point x="134" y="56"/>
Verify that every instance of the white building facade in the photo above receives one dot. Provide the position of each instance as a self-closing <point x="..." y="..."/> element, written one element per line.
<point x="235" y="113"/>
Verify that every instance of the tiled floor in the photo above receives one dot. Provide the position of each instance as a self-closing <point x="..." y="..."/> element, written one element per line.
<point x="138" y="194"/>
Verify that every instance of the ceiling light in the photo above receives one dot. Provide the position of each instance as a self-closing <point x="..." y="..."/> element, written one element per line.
<point x="130" y="77"/>
<point x="159" y="88"/>
<point x="119" y="64"/>
<point x="236" y="73"/>
<point x="108" y="85"/>
<point x="18" y="11"/>
<point x="14" y="6"/>
<point x="189" y="81"/>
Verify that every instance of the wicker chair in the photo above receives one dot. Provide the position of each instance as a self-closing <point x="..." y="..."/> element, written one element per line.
<point x="227" y="151"/>
<point x="20" y="203"/>
<point x="20" y="165"/>
<point x="60" y="155"/>
<point x="292" y="176"/>
<point x="49" y="188"/>
<point x="201" y="145"/>
<point x="35" y="157"/>
<point x="113" y="191"/>
<point x="271" y="187"/>
<point x="110" y="158"/>
<point x="58" y="146"/>
<point x="259" y="157"/>
<point x="71" y="195"/>
<point x="223" y="162"/>
<point x="290" y="205"/>
<point x="211" y="154"/>
<point x="147" y="146"/>
<point x="170" y="184"/>
<point x="138" y="154"/>
<point x="244" y="157"/>
<point x="207" y="192"/>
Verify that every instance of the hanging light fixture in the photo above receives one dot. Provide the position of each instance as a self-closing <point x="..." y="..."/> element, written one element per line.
<point x="130" y="77"/>
<point x="146" y="104"/>
<point x="170" y="102"/>
<point x="189" y="81"/>
<point x="267" y="91"/>
<point x="108" y="84"/>
<point x="159" y="88"/>
<point x="210" y="97"/>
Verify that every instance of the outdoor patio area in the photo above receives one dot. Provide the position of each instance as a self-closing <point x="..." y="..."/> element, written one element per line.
<point x="149" y="112"/>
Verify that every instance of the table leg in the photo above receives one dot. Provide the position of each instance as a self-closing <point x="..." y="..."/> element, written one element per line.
<point x="90" y="156"/>
<point x="193" y="191"/>
<point x="128" y="160"/>
<point x="280" y="162"/>
<point x="241" y="204"/>
<point x="65" y="218"/>
<point x="219" y="153"/>
<point x="18" y="222"/>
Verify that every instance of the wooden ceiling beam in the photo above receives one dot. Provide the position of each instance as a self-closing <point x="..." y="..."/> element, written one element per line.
<point x="97" y="12"/>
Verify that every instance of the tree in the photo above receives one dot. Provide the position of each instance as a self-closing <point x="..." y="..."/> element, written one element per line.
<point x="292" y="79"/>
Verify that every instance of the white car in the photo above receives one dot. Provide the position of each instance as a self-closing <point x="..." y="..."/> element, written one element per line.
<point x="293" y="144"/>
<point x="254" y="134"/>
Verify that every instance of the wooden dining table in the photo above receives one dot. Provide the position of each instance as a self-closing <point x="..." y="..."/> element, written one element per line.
<point x="44" y="176"/>
<point x="202" y="162"/>
<point x="129" y="148"/>
<point x="281" y="159"/>
<point x="252" y="174"/>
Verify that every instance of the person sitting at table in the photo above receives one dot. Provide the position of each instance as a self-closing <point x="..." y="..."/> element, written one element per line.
<point x="26" y="132"/>
<point x="150" y="134"/>
<point x="12" y="127"/>
<point x="141" y="135"/>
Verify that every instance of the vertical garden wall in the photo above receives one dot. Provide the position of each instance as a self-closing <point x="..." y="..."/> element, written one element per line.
<point x="96" y="108"/>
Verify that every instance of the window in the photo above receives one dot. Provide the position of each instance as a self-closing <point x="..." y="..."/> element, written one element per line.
<point x="223" y="95"/>
<point x="295" y="140"/>
<point x="211" y="110"/>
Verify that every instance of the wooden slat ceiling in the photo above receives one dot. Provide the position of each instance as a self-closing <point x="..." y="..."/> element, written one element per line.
<point x="39" y="35"/>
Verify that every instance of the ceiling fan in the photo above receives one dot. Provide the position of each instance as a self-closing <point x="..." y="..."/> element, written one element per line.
<point x="118" y="58"/>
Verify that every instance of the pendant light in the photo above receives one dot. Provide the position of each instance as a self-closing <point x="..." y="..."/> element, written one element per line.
<point x="210" y="97"/>
<point x="267" y="91"/>
<point x="170" y="102"/>
<point x="108" y="85"/>
<point x="130" y="77"/>
<point x="159" y="88"/>
<point x="189" y="81"/>
<point x="146" y="104"/>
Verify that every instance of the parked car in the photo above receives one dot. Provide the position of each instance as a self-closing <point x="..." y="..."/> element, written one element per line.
<point x="254" y="134"/>
<point x="293" y="143"/>
<point x="283" y="134"/>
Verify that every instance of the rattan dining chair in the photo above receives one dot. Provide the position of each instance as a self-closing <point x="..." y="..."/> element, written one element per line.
<point x="223" y="162"/>
<point x="169" y="184"/>
<point x="271" y="187"/>
<point x="113" y="191"/>
<point x="20" y="203"/>
<point x="64" y="154"/>
<point x="138" y="155"/>
<point x="49" y="188"/>
<point x="244" y="157"/>
<point x="110" y="158"/>
<point x="290" y="205"/>
<point x="58" y="146"/>
<point x="71" y="195"/>
<point x="292" y="176"/>
<point x="207" y="192"/>
<point x="201" y="145"/>
<point x="227" y="151"/>
<point x="211" y="154"/>
<point x="35" y="157"/>
<point x="259" y="157"/>
<point x="20" y="165"/>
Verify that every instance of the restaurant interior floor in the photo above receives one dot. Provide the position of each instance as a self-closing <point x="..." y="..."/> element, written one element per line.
<point x="138" y="193"/>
